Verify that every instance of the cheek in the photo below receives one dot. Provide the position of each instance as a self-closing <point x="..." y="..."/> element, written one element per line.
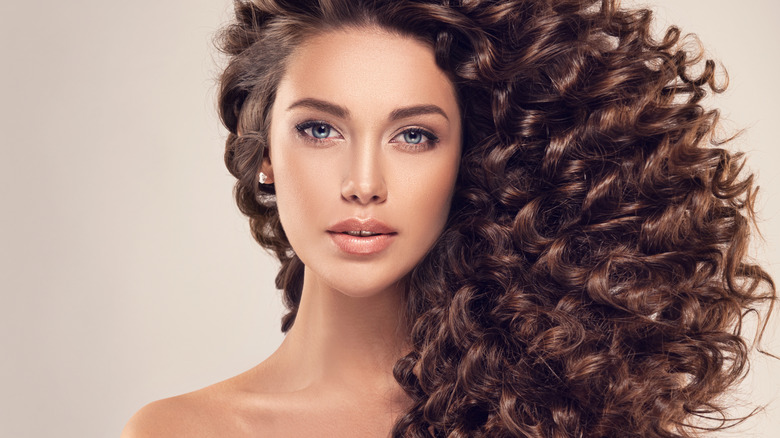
<point x="444" y="187"/>
<point x="301" y="191"/>
<point x="430" y="188"/>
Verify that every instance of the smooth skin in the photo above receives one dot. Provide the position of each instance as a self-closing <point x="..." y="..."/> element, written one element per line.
<point x="364" y="125"/>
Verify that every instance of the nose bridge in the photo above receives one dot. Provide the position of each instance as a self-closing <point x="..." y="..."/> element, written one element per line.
<point x="365" y="182"/>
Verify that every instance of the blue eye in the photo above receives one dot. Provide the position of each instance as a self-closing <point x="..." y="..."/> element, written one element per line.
<point x="320" y="131"/>
<point x="413" y="137"/>
<point x="417" y="138"/>
<point x="317" y="130"/>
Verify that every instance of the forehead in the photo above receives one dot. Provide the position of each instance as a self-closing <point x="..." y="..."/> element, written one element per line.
<point x="351" y="65"/>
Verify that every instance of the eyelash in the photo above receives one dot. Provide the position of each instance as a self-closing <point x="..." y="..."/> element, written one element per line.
<point x="303" y="127"/>
<point x="431" y="138"/>
<point x="429" y="143"/>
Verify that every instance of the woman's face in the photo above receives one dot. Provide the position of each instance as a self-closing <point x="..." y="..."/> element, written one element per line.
<point x="364" y="148"/>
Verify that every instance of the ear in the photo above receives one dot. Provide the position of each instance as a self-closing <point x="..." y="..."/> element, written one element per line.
<point x="267" y="168"/>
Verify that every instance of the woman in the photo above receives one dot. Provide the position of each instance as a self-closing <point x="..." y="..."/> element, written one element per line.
<point x="494" y="218"/>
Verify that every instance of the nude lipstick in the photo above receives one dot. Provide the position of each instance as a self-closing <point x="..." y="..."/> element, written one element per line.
<point x="361" y="236"/>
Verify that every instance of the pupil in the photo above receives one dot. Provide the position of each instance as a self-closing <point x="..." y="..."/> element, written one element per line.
<point x="413" y="137"/>
<point x="321" y="131"/>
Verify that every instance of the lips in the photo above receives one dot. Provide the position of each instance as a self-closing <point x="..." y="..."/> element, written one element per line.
<point x="362" y="236"/>
<point x="370" y="225"/>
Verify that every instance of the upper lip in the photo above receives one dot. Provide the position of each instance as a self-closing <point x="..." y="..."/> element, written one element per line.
<point x="356" y="224"/>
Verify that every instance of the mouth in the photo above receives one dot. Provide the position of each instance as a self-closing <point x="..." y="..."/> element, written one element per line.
<point x="361" y="236"/>
<point x="361" y="227"/>
<point x="361" y="233"/>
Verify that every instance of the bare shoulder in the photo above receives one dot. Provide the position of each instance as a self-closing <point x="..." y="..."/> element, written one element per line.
<point x="258" y="403"/>
<point x="162" y="418"/>
<point x="221" y="409"/>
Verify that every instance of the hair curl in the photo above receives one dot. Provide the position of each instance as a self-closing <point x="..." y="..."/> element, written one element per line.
<point x="592" y="279"/>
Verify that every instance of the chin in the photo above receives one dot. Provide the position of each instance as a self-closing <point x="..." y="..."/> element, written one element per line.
<point x="368" y="289"/>
<point x="357" y="278"/>
<point x="364" y="285"/>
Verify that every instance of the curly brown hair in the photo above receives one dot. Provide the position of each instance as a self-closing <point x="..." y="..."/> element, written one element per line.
<point x="592" y="279"/>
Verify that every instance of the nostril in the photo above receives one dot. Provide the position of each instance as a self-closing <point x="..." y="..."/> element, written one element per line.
<point x="364" y="189"/>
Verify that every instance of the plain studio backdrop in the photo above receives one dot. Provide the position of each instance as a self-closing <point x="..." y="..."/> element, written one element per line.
<point x="127" y="273"/>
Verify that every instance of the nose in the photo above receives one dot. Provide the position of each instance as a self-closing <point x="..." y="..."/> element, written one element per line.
<point x="364" y="182"/>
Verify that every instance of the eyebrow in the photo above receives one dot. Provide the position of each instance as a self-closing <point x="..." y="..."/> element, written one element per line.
<point x="417" y="110"/>
<point x="321" y="105"/>
<point x="341" y="112"/>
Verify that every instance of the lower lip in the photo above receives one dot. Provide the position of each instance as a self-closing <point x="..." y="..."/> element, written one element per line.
<point x="362" y="245"/>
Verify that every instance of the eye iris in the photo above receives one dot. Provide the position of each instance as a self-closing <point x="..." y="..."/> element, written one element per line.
<point x="413" y="137"/>
<point x="320" y="131"/>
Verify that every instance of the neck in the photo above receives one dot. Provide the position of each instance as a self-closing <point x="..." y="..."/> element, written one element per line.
<point x="350" y="342"/>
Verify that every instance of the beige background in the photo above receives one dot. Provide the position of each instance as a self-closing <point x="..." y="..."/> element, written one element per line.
<point x="127" y="273"/>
